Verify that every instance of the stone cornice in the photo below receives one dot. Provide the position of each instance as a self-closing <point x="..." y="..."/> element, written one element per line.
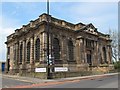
<point x="34" y="24"/>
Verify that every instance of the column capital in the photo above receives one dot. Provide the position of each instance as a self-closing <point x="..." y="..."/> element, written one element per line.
<point x="80" y="37"/>
<point x="24" y="39"/>
<point x="32" y="36"/>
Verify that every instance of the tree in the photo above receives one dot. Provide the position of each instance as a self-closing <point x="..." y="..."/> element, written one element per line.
<point x="114" y="44"/>
<point x="117" y="66"/>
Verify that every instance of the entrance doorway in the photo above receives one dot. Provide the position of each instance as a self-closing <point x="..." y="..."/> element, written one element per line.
<point x="8" y="68"/>
<point x="89" y="56"/>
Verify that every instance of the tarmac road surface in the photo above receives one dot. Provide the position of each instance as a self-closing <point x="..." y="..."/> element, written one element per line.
<point x="110" y="81"/>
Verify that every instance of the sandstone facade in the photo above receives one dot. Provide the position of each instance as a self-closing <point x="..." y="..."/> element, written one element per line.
<point x="76" y="46"/>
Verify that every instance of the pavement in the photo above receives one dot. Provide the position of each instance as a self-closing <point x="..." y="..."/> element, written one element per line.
<point x="37" y="80"/>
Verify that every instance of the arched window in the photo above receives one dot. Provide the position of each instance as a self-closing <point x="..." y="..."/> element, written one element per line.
<point x="104" y="55"/>
<point x="28" y="52"/>
<point x="37" y="49"/>
<point x="21" y="50"/>
<point x="56" y="49"/>
<point x="70" y="50"/>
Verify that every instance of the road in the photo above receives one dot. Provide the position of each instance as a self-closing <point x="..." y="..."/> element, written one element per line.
<point x="10" y="82"/>
<point x="97" y="82"/>
<point x="104" y="82"/>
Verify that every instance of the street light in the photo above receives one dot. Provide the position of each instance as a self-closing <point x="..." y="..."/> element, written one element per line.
<point x="48" y="64"/>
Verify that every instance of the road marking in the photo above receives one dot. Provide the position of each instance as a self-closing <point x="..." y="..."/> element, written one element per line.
<point x="6" y="86"/>
<point x="24" y="80"/>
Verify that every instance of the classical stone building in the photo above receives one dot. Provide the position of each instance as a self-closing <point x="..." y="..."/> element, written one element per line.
<point x="75" y="46"/>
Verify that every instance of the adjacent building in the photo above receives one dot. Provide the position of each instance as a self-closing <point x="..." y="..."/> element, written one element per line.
<point x="2" y="66"/>
<point x="75" y="46"/>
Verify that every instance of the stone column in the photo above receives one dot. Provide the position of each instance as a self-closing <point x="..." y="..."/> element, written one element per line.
<point x="102" y="55"/>
<point x="77" y="49"/>
<point x="42" y="46"/>
<point x="109" y="55"/>
<point x="15" y="59"/>
<point x="14" y="51"/>
<point x="24" y="52"/>
<point x="12" y="59"/>
<point x="45" y="47"/>
<point x="61" y="49"/>
<point x="7" y="58"/>
<point x="83" y="58"/>
<point x="82" y="55"/>
<point x="19" y="52"/>
<point x="40" y="59"/>
<point x="85" y="53"/>
<point x="14" y="56"/>
<point x="64" y="50"/>
<point x="17" y="55"/>
<point x="19" y="49"/>
<point x="74" y="50"/>
<point x="110" y="48"/>
<point x="32" y="50"/>
<point x="32" y="62"/>
<point x="23" y="66"/>
<point x="95" y="53"/>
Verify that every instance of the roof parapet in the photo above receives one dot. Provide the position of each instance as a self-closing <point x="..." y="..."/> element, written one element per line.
<point x="32" y="23"/>
<point x="55" y="21"/>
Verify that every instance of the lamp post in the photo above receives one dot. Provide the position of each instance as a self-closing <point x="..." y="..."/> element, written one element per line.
<point x="48" y="61"/>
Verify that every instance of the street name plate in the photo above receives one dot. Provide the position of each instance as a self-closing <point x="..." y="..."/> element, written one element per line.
<point x="40" y="69"/>
<point x="61" y="69"/>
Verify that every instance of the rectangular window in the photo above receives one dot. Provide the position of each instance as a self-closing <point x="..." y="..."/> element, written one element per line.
<point x="89" y="43"/>
<point x="8" y="51"/>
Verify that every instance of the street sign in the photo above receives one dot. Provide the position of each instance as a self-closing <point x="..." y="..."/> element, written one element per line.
<point x="40" y="69"/>
<point x="61" y="69"/>
<point x="51" y="60"/>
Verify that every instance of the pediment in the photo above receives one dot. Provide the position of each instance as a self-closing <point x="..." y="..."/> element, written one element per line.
<point x="91" y="29"/>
